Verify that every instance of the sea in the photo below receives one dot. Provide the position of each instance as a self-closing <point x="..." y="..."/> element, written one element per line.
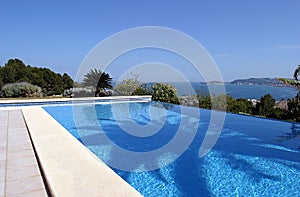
<point x="238" y="91"/>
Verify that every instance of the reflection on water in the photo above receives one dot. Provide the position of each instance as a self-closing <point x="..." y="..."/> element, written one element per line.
<point x="245" y="161"/>
<point x="295" y="133"/>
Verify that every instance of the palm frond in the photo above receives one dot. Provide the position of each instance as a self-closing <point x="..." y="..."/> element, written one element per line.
<point x="296" y="73"/>
<point x="97" y="79"/>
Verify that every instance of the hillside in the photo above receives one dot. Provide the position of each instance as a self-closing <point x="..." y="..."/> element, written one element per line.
<point x="258" y="81"/>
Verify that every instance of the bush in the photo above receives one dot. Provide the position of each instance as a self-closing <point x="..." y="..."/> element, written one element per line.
<point x="142" y="90"/>
<point x="127" y="87"/>
<point x="164" y="93"/>
<point x="23" y="89"/>
<point x="80" y="92"/>
<point x="1" y="84"/>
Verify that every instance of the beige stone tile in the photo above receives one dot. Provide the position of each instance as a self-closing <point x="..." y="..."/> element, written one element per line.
<point x="3" y="137"/>
<point x="13" y="114"/>
<point x="24" y="185"/>
<point x="3" y="131"/>
<point x="20" y="154"/>
<point x="21" y="130"/>
<point x="19" y="147"/>
<point x="2" y="194"/>
<point x="22" y="172"/>
<point x="2" y="170"/>
<point x="3" y="115"/>
<point x="35" y="193"/>
<point x="3" y="143"/>
<point x="2" y="174"/>
<point x="2" y="152"/>
<point x="3" y="123"/>
<point x="2" y="164"/>
<point x="16" y="124"/>
<point x="16" y="127"/>
<point x="14" y="141"/>
<point x="16" y="136"/>
<point x="20" y="162"/>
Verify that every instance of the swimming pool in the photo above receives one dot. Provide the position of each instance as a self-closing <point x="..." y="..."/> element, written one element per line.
<point x="252" y="157"/>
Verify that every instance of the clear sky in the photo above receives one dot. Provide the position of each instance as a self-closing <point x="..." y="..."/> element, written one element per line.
<point x="251" y="38"/>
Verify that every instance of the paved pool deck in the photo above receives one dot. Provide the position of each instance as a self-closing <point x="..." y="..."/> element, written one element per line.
<point x="38" y="157"/>
<point x="19" y="171"/>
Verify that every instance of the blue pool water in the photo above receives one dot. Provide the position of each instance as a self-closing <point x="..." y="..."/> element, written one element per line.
<point x="252" y="157"/>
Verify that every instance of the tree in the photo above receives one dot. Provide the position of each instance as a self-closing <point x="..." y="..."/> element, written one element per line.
<point x="50" y="82"/>
<point x="67" y="81"/>
<point x="142" y="90"/>
<point x="128" y="86"/>
<point x="54" y="82"/>
<point x="1" y="83"/>
<point x="294" y="109"/>
<point x="204" y="101"/>
<point x="266" y="106"/>
<point x="242" y="105"/>
<point x="164" y="93"/>
<point x="296" y="73"/>
<point x="98" y="80"/>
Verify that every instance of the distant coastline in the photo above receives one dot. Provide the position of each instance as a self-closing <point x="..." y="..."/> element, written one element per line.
<point x="247" y="91"/>
<point x="259" y="81"/>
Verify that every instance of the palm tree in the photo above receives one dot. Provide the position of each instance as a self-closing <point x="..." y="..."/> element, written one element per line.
<point x="297" y="70"/>
<point x="98" y="80"/>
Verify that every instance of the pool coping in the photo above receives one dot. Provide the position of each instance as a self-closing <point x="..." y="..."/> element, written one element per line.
<point x="69" y="168"/>
<point x="89" y="100"/>
<point x="12" y="101"/>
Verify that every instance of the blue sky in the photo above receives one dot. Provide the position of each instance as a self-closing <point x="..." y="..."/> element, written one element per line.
<point x="245" y="38"/>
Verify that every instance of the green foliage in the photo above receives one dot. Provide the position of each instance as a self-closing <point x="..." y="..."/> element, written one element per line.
<point x="99" y="81"/>
<point x="51" y="83"/>
<point x="219" y="102"/>
<point x="204" y="101"/>
<point x="294" y="110"/>
<point x="22" y="89"/>
<point x="266" y="106"/>
<point x="1" y="83"/>
<point x="80" y="92"/>
<point x="225" y="103"/>
<point x="291" y="82"/>
<point x="164" y="93"/>
<point x="127" y="87"/>
<point x="142" y="90"/>
<point x="68" y="82"/>
<point x="241" y="105"/>
<point x="296" y="73"/>
<point x="96" y="78"/>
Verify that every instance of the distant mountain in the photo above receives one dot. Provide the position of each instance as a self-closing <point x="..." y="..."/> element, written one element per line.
<point x="258" y="81"/>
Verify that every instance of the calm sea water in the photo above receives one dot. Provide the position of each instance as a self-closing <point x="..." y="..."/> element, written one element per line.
<point x="241" y="91"/>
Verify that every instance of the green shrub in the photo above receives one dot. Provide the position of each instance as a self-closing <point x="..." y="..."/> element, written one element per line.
<point x="164" y="93"/>
<point x="142" y="90"/>
<point x="1" y="84"/>
<point x="127" y="86"/>
<point x="23" y="89"/>
<point x="80" y="92"/>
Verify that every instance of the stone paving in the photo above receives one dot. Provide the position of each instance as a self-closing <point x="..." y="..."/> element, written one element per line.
<point x="19" y="170"/>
